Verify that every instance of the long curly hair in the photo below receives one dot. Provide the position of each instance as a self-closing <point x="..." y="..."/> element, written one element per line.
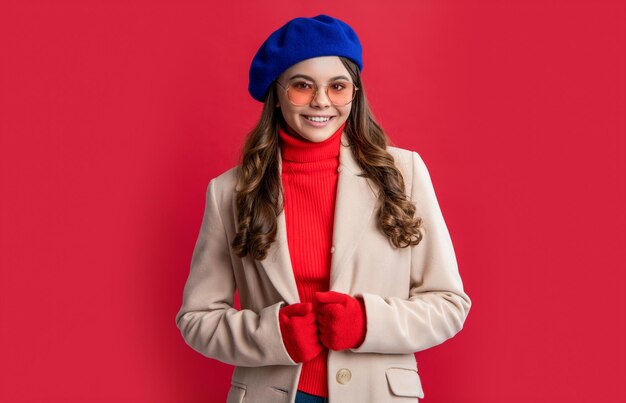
<point x="259" y="194"/>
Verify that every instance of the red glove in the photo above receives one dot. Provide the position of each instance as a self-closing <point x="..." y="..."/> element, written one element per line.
<point x="299" y="331"/>
<point x="341" y="319"/>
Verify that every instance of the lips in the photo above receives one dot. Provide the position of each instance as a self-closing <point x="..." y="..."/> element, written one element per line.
<point x="318" y="118"/>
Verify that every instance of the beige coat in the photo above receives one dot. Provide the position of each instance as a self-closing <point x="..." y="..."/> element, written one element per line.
<point x="414" y="297"/>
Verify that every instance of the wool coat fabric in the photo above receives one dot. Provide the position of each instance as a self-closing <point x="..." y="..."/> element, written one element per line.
<point x="414" y="297"/>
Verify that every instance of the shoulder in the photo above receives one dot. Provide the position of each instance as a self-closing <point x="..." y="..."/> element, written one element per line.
<point x="404" y="156"/>
<point x="401" y="156"/>
<point x="227" y="179"/>
<point x="406" y="160"/>
<point x="410" y="163"/>
<point x="222" y="186"/>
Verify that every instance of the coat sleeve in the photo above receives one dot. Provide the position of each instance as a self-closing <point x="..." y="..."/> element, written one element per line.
<point x="437" y="304"/>
<point x="207" y="320"/>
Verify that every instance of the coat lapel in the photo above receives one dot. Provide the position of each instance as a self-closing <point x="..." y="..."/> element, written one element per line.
<point x="354" y="206"/>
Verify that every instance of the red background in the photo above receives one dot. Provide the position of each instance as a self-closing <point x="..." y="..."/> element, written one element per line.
<point x="115" y="115"/>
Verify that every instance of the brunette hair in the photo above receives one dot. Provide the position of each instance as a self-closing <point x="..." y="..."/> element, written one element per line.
<point x="259" y="197"/>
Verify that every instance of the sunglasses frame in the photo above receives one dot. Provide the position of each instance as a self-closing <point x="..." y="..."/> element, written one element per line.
<point x="317" y="87"/>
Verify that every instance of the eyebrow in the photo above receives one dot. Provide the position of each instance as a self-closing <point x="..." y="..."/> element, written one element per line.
<point x="311" y="78"/>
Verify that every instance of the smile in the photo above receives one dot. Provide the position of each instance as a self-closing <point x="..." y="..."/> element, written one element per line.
<point x="319" y="119"/>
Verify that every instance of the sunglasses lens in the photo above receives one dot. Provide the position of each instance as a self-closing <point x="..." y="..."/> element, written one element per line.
<point x="340" y="92"/>
<point x="301" y="93"/>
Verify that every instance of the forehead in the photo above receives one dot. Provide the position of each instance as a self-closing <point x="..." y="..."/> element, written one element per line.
<point x="319" y="68"/>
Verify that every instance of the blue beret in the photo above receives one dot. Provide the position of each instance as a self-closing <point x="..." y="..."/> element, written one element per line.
<point x="297" y="40"/>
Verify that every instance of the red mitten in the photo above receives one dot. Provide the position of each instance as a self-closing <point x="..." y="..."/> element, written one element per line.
<point x="299" y="331"/>
<point x="341" y="319"/>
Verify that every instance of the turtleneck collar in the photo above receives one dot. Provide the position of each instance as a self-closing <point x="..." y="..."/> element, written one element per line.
<point x="299" y="149"/>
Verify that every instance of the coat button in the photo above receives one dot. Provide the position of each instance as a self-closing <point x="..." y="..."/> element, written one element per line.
<point x="343" y="376"/>
<point x="332" y="249"/>
<point x="339" y="169"/>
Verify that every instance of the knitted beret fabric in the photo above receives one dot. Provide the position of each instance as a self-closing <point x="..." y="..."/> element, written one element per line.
<point x="300" y="39"/>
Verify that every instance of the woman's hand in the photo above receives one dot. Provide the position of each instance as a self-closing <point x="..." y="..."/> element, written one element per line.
<point x="299" y="331"/>
<point x="341" y="320"/>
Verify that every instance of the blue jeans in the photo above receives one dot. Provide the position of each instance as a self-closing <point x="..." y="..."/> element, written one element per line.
<point x="302" y="397"/>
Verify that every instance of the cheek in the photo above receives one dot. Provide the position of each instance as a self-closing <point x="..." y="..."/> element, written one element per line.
<point x="287" y="110"/>
<point x="286" y="113"/>
<point x="345" y="112"/>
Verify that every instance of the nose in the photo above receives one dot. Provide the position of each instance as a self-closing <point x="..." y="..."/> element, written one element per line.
<point x="320" y="100"/>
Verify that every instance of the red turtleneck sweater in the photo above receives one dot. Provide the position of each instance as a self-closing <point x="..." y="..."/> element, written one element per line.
<point x="309" y="178"/>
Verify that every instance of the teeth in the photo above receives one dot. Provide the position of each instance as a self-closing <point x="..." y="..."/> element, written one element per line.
<point x="318" y="119"/>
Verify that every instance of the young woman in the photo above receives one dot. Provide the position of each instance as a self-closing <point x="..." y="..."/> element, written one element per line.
<point x="334" y="240"/>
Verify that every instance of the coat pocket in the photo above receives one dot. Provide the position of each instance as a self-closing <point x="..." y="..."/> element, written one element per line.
<point x="236" y="393"/>
<point x="404" y="382"/>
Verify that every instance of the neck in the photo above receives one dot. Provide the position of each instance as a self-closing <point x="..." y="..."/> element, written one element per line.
<point x="299" y="149"/>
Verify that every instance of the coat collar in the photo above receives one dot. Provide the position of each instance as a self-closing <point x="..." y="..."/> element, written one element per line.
<point x="354" y="205"/>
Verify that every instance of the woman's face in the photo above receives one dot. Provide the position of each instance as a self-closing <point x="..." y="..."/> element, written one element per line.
<point x="320" y="71"/>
